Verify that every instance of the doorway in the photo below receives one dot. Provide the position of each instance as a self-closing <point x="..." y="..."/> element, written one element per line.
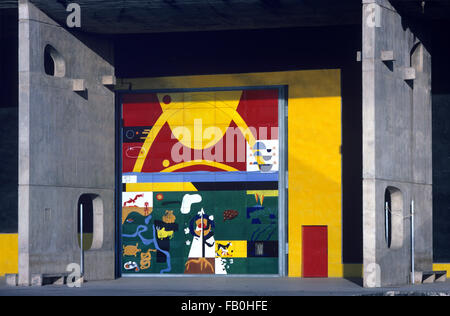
<point x="315" y="251"/>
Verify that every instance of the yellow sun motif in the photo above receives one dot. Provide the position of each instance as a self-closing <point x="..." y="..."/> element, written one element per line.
<point x="198" y="120"/>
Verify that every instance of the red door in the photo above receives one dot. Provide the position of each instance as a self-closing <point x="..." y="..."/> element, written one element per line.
<point x="315" y="251"/>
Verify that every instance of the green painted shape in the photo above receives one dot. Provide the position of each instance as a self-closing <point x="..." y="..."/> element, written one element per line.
<point x="251" y="265"/>
<point x="214" y="203"/>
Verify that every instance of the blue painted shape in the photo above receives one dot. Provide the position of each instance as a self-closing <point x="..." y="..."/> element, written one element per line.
<point x="262" y="176"/>
<point x="270" y="234"/>
<point x="252" y="209"/>
<point x="259" y="146"/>
<point x="231" y="177"/>
<point x="139" y="231"/>
<point x="204" y="176"/>
<point x="259" y="233"/>
<point x="168" y="177"/>
<point x="254" y="233"/>
<point x="142" y="229"/>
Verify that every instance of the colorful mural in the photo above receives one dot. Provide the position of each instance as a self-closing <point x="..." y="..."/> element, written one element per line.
<point x="200" y="182"/>
<point x="313" y="157"/>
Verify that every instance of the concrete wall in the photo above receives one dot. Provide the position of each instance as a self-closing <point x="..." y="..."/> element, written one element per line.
<point x="66" y="148"/>
<point x="396" y="145"/>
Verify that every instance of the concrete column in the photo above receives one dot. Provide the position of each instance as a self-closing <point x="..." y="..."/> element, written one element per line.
<point x="396" y="146"/>
<point x="66" y="146"/>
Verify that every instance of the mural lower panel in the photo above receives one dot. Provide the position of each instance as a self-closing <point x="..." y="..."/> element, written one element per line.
<point x="200" y="232"/>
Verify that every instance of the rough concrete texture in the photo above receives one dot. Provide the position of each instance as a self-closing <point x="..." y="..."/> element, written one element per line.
<point x="396" y="145"/>
<point x="66" y="148"/>
<point x="11" y="279"/>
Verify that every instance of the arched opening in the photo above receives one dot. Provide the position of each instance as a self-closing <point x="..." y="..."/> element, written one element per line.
<point x="393" y="219"/>
<point x="90" y="221"/>
<point x="54" y="64"/>
<point x="85" y="221"/>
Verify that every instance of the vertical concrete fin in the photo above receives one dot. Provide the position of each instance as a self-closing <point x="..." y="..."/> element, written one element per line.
<point x="396" y="142"/>
<point x="66" y="145"/>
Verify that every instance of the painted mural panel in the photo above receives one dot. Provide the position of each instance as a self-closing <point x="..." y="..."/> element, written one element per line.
<point x="200" y="182"/>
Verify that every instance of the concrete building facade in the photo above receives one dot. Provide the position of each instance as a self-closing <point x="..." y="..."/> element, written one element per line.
<point x="345" y="90"/>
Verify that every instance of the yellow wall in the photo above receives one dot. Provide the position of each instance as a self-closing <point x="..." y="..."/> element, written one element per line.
<point x="315" y="176"/>
<point x="9" y="249"/>
<point x="314" y="133"/>
<point x="442" y="267"/>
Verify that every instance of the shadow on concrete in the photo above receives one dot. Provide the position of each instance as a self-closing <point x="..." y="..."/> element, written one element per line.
<point x="84" y="94"/>
<point x="357" y="281"/>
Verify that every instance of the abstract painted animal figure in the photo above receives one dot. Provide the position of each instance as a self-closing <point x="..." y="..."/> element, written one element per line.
<point x="131" y="250"/>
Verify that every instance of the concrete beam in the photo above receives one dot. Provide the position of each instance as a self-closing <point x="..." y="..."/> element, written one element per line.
<point x="108" y="80"/>
<point x="387" y="55"/>
<point x="79" y="85"/>
<point x="409" y="73"/>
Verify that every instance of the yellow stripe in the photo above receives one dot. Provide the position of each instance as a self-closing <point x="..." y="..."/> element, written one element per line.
<point x="160" y="187"/>
<point x="151" y="138"/>
<point x="442" y="267"/>
<point x="241" y="124"/>
<point x="263" y="192"/>
<point x="191" y="163"/>
<point x="9" y="254"/>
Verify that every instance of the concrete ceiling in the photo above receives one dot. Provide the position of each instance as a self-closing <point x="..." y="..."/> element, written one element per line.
<point x="8" y="4"/>
<point x="158" y="16"/>
<point x="426" y="10"/>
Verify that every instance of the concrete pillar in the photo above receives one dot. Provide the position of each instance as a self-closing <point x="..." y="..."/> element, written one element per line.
<point x="396" y="146"/>
<point x="66" y="147"/>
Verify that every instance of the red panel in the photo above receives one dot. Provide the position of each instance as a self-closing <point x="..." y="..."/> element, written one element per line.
<point x="130" y="152"/>
<point x="140" y="109"/>
<point x="315" y="251"/>
<point x="258" y="108"/>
